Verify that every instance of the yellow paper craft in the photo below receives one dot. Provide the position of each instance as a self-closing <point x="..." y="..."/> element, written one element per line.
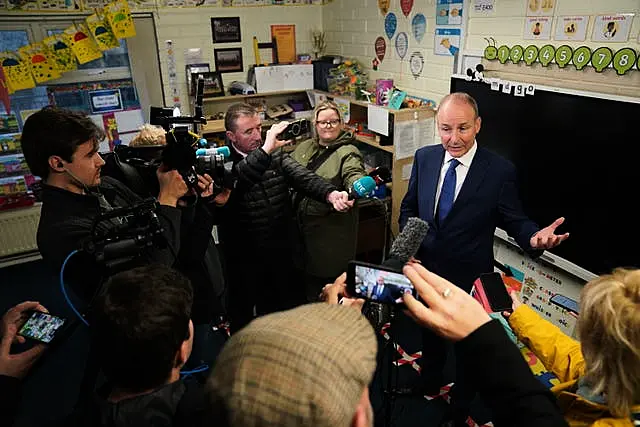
<point x="101" y="32"/>
<point x="16" y="72"/>
<point x="119" y="17"/>
<point x="60" y="50"/>
<point x="83" y="46"/>
<point x="43" y="66"/>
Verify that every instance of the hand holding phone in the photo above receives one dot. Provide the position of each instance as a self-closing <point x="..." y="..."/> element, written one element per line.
<point x="42" y="327"/>
<point x="17" y="364"/>
<point x="377" y="283"/>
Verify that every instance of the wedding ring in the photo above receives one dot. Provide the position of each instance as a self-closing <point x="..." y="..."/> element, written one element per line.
<point x="446" y="292"/>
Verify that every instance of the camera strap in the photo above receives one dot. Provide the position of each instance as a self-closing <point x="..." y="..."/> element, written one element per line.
<point x="319" y="160"/>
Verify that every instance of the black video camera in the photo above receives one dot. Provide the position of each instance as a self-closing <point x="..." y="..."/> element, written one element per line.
<point x="183" y="148"/>
<point x="295" y="129"/>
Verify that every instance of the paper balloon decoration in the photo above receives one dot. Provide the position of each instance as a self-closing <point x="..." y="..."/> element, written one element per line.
<point x="416" y="63"/>
<point x="419" y="26"/>
<point x="390" y="24"/>
<point x="406" y="6"/>
<point x="402" y="44"/>
<point x="381" y="48"/>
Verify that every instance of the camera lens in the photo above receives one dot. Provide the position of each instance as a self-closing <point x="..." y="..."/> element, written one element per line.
<point x="295" y="129"/>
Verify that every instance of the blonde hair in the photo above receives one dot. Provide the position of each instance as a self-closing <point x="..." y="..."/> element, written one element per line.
<point x="149" y="135"/>
<point x="326" y="105"/>
<point x="609" y="330"/>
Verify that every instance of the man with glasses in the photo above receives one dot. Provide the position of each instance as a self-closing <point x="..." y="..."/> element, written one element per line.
<point x="257" y="220"/>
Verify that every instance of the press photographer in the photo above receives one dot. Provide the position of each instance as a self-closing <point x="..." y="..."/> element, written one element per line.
<point x="257" y="221"/>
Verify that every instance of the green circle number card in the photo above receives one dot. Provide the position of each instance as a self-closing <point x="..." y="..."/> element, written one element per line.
<point x="546" y="55"/>
<point x="503" y="54"/>
<point x="516" y="53"/>
<point x="563" y="55"/>
<point x="601" y="58"/>
<point x="581" y="57"/>
<point x="530" y="54"/>
<point x="624" y="60"/>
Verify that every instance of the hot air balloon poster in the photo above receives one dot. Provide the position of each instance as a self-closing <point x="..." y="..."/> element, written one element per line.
<point x="16" y="72"/>
<point x="60" y="50"/>
<point x="101" y="32"/>
<point x="43" y="66"/>
<point x="119" y="17"/>
<point x="83" y="46"/>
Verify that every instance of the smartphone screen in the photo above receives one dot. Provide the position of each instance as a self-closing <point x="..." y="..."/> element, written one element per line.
<point x="566" y="303"/>
<point x="375" y="283"/>
<point x="496" y="292"/>
<point x="41" y="326"/>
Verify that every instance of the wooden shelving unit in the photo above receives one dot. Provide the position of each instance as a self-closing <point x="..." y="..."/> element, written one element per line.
<point x="358" y="112"/>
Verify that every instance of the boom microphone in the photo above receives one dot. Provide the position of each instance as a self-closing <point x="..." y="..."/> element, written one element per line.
<point x="362" y="188"/>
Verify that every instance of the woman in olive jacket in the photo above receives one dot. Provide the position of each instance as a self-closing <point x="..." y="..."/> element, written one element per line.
<point x="328" y="238"/>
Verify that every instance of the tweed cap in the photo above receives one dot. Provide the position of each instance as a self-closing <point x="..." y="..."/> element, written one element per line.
<point x="302" y="367"/>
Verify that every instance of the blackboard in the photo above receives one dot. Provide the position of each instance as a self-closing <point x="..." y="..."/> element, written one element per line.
<point x="577" y="156"/>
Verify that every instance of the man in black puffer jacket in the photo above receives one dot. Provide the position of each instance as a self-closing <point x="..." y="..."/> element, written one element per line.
<point x="257" y="219"/>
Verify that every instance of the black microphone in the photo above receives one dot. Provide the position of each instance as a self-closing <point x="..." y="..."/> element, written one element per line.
<point x="407" y="243"/>
<point x="381" y="175"/>
<point x="403" y="248"/>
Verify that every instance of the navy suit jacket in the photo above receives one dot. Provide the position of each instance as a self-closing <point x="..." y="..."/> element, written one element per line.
<point x="461" y="248"/>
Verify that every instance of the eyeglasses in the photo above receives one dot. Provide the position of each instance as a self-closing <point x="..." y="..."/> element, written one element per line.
<point x="329" y="123"/>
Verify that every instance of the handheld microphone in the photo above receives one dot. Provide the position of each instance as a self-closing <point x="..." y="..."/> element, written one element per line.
<point x="381" y="175"/>
<point x="213" y="151"/>
<point x="407" y="243"/>
<point x="362" y="188"/>
<point x="403" y="248"/>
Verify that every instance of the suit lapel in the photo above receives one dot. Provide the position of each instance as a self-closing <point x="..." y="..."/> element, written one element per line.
<point x="477" y="172"/>
<point x="432" y="170"/>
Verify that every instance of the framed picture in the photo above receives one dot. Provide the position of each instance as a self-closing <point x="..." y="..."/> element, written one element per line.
<point x="212" y="83"/>
<point x="228" y="60"/>
<point x="225" y="30"/>
<point x="191" y="69"/>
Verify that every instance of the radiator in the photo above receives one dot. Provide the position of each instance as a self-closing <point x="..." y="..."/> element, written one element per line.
<point x="18" y="230"/>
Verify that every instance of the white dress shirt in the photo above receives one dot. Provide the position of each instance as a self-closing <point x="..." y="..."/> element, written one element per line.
<point x="461" y="172"/>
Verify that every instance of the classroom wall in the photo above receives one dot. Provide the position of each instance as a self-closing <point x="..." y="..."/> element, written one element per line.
<point x="352" y="27"/>
<point x="507" y="26"/>
<point x="191" y="28"/>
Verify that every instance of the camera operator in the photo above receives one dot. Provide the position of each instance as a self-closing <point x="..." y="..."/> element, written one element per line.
<point x="198" y="258"/>
<point x="257" y="220"/>
<point x="61" y="147"/>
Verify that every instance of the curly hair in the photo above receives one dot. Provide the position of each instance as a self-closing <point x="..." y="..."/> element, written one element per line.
<point x="609" y="330"/>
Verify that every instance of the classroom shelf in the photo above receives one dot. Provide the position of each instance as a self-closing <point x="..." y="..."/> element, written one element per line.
<point x="371" y="141"/>
<point x="255" y="95"/>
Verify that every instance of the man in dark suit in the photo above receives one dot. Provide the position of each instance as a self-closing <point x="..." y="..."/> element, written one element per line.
<point x="381" y="292"/>
<point x="464" y="192"/>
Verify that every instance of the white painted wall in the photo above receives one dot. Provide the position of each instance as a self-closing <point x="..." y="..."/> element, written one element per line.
<point x="191" y="28"/>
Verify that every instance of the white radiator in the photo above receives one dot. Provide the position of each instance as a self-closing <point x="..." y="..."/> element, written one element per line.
<point x="18" y="230"/>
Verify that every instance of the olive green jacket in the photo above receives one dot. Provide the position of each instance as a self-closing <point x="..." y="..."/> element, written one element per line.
<point x="328" y="238"/>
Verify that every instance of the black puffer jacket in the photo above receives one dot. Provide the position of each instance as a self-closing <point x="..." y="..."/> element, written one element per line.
<point x="259" y="212"/>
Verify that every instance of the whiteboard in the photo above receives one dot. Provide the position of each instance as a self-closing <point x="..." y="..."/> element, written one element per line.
<point x="275" y="78"/>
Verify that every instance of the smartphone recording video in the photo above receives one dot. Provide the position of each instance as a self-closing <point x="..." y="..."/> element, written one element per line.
<point x="376" y="283"/>
<point x="43" y="327"/>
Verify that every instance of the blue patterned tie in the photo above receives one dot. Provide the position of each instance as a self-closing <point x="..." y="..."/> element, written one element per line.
<point x="448" y="191"/>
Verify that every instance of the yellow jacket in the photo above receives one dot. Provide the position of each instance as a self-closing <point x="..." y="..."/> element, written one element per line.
<point x="562" y="355"/>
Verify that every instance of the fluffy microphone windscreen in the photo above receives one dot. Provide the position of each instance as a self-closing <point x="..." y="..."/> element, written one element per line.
<point x="408" y="241"/>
